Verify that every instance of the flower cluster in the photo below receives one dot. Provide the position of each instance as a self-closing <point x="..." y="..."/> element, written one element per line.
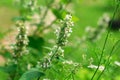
<point x="95" y="33"/>
<point x="117" y="63"/>
<point x="21" y="41"/>
<point x="26" y="8"/>
<point x="64" y="32"/>
<point x="103" y="21"/>
<point x="101" y="68"/>
<point x="70" y="62"/>
<point x="56" y="52"/>
<point x="32" y="5"/>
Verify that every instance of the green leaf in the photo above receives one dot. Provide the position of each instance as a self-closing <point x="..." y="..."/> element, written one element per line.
<point x="8" y="69"/>
<point x="28" y="18"/>
<point x="66" y="1"/>
<point x="36" y="42"/>
<point x="32" y="74"/>
<point x="59" y="13"/>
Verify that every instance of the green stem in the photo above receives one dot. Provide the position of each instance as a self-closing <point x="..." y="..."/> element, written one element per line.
<point x="108" y="60"/>
<point x="54" y="53"/>
<point x="44" y="15"/>
<point x="104" y="45"/>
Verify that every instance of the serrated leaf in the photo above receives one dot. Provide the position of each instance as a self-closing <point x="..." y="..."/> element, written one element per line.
<point x="32" y="74"/>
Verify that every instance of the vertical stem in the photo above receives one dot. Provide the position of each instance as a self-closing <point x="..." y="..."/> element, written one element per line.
<point x="44" y="15"/>
<point x="108" y="61"/>
<point x="104" y="45"/>
<point x="54" y="53"/>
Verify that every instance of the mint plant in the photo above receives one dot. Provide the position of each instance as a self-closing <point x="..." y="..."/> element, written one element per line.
<point x="54" y="60"/>
<point x="30" y="59"/>
<point x="14" y="66"/>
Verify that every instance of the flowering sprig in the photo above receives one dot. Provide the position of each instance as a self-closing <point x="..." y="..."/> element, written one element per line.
<point x="20" y="47"/>
<point x="55" y="57"/>
<point x="101" y="68"/>
<point x="56" y="52"/>
<point x="62" y="35"/>
<point x="64" y="32"/>
<point x="94" y="34"/>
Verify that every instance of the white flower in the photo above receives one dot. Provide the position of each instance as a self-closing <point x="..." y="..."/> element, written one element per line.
<point x="101" y="68"/>
<point x="46" y="79"/>
<point x="92" y="66"/>
<point x="61" y="50"/>
<point x="70" y="30"/>
<point x="68" y="62"/>
<point x="57" y="32"/>
<point x="104" y="20"/>
<point x="70" y="23"/>
<point x="106" y="17"/>
<point x="88" y="28"/>
<point x="68" y="17"/>
<point x="117" y="63"/>
<point x="50" y="54"/>
<point x="29" y="66"/>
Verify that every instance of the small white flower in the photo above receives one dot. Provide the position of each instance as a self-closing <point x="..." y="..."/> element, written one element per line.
<point x="76" y="64"/>
<point x="50" y="54"/>
<point x="70" y="30"/>
<point x="57" y="31"/>
<point x="117" y="63"/>
<point x="61" y="50"/>
<point x="88" y="28"/>
<point x="104" y="20"/>
<point x="101" y="68"/>
<point x="69" y="23"/>
<point x="106" y="17"/>
<point x="68" y="17"/>
<point x="20" y="37"/>
<point x="29" y="66"/>
<point x="68" y="62"/>
<point x="92" y="66"/>
<point x="46" y="79"/>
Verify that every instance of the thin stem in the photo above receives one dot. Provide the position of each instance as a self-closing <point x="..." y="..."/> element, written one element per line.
<point x="54" y="53"/>
<point x="108" y="60"/>
<point x="72" y="73"/>
<point x="49" y="25"/>
<point x="104" y="45"/>
<point x="73" y="77"/>
<point x="44" y="15"/>
<point x="66" y="78"/>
